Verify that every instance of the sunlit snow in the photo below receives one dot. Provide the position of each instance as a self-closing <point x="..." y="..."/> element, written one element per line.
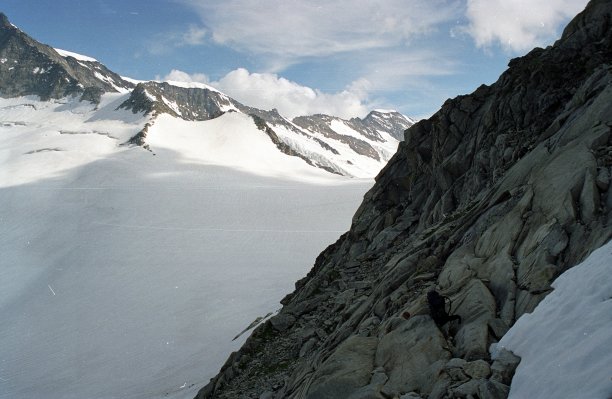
<point x="125" y="273"/>
<point x="80" y="57"/>
<point x="192" y="85"/>
<point x="565" y="343"/>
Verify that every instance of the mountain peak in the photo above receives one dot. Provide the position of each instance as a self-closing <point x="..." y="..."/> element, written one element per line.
<point x="590" y="24"/>
<point x="383" y="111"/>
<point x="389" y="120"/>
<point x="4" y="21"/>
<point x="33" y="68"/>
<point x="355" y="147"/>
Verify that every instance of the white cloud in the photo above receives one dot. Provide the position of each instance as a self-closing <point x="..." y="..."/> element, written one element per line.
<point x="267" y="91"/>
<point x="164" y="43"/>
<point x="293" y="30"/>
<point x="382" y="47"/>
<point x="518" y="25"/>
<point x="180" y="76"/>
<point x="194" y="36"/>
<point x="390" y="70"/>
<point x="379" y="46"/>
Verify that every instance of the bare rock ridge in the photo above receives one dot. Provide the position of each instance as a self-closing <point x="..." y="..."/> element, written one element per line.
<point x="488" y="201"/>
<point x="28" y="67"/>
<point x="193" y="104"/>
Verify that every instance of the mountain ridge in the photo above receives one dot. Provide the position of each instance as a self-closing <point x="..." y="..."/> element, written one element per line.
<point x="28" y="67"/>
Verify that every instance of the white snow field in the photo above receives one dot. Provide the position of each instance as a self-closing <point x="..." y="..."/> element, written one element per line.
<point x="126" y="273"/>
<point x="566" y="343"/>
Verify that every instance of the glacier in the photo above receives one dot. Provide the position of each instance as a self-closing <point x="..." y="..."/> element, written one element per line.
<point x="126" y="273"/>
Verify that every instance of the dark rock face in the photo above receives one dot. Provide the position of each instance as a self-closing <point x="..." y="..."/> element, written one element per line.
<point x="31" y="68"/>
<point x="487" y="202"/>
<point x="192" y="104"/>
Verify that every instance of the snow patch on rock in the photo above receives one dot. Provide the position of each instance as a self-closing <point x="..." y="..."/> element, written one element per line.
<point x="565" y="343"/>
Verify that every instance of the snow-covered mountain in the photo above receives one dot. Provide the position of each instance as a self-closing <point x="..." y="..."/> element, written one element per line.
<point x="389" y="121"/>
<point x="126" y="273"/>
<point x="356" y="147"/>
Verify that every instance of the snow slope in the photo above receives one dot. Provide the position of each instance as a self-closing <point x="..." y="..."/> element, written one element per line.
<point x="230" y="140"/>
<point x="345" y="160"/>
<point x="77" y="56"/>
<point x="126" y="273"/>
<point x="565" y="344"/>
<point x="359" y="147"/>
<point x="47" y="138"/>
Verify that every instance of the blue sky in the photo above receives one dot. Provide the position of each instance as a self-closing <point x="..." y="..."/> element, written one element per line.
<point x="342" y="57"/>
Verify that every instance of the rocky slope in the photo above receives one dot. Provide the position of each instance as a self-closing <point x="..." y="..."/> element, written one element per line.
<point x="487" y="201"/>
<point x="324" y="125"/>
<point x="28" y="67"/>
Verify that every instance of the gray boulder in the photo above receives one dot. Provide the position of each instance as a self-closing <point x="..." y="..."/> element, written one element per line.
<point x="348" y="368"/>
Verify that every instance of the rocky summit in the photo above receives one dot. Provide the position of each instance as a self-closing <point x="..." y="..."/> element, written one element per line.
<point x="28" y="67"/>
<point x="487" y="202"/>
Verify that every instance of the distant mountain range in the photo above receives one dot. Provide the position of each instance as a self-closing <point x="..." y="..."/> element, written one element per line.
<point x="355" y="147"/>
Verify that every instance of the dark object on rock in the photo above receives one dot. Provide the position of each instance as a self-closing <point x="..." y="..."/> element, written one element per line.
<point x="437" y="309"/>
<point x="406" y="315"/>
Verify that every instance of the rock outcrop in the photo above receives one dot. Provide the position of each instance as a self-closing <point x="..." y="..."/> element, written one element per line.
<point x="487" y="201"/>
<point x="188" y="103"/>
<point x="322" y="125"/>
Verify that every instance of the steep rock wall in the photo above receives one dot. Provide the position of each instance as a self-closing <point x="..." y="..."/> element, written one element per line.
<point x="487" y="201"/>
